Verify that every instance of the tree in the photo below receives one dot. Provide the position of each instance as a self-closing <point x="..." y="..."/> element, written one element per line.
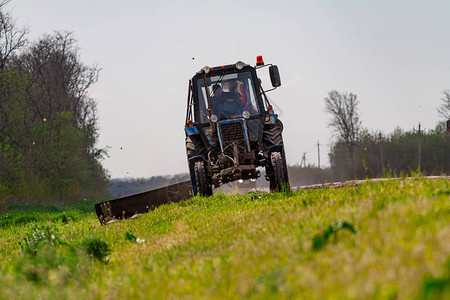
<point x="59" y="93"/>
<point x="444" y="109"/>
<point x="11" y="37"/>
<point x="12" y="40"/>
<point x="15" y="134"/>
<point x="343" y="109"/>
<point x="48" y="124"/>
<point x="60" y="80"/>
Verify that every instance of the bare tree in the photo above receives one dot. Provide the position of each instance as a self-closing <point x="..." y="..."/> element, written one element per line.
<point x="11" y="37"/>
<point x="343" y="109"/>
<point x="444" y="109"/>
<point x="60" y="80"/>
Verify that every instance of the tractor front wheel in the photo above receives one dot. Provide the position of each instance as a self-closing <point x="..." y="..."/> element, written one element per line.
<point x="279" y="177"/>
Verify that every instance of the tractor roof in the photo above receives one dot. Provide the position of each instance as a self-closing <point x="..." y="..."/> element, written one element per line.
<point x="224" y="67"/>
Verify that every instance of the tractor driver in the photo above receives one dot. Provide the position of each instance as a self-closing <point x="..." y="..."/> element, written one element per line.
<point x="224" y="104"/>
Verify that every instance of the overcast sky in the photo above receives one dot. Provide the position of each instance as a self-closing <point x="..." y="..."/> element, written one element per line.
<point x="395" y="55"/>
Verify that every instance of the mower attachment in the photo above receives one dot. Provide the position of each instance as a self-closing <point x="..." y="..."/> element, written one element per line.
<point x="129" y="206"/>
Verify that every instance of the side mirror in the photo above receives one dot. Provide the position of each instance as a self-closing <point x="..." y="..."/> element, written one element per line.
<point x="448" y="125"/>
<point x="274" y="76"/>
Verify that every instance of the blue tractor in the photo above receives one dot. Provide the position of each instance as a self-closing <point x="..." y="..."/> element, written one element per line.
<point x="231" y="128"/>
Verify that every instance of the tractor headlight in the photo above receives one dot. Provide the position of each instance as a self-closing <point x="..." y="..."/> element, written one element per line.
<point x="206" y="69"/>
<point x="214" y="118"/>
<point x="246" y="114"/>
<point x="239" y="65"/>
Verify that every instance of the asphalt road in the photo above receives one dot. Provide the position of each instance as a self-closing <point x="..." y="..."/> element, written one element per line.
<point x="354" y="183"/>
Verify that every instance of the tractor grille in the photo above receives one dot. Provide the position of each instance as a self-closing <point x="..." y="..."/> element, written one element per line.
<point x="232" y="132"/>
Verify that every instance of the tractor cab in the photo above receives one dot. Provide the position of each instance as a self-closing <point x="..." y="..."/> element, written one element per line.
<point x="231" y="95"/>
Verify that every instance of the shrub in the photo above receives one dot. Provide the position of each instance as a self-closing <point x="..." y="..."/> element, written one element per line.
<point x="96" y="248"/>
<point x="37" y="236"/>
<point x="320" y="240"/>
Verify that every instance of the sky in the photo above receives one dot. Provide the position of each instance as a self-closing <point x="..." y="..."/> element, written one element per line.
<point x="394" y="55"/>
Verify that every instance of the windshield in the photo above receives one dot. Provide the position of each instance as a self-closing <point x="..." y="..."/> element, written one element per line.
<point x="231" y="95"/>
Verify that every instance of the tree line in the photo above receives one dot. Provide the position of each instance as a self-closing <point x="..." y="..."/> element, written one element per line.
<point x="358" y="153"/>
<point x="48" y="122"/>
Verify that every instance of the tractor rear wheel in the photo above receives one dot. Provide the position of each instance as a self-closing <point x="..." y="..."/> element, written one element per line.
<point x="204" y="187"/>
<point x="279" y="177"/>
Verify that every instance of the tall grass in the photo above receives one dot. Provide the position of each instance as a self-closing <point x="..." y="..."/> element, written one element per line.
<point x="381" y="240"/>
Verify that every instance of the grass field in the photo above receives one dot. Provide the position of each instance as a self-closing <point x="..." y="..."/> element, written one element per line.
<point x="385" y="240"/>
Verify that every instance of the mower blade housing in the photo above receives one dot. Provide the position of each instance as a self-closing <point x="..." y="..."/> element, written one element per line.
<point x="128" y="206"/>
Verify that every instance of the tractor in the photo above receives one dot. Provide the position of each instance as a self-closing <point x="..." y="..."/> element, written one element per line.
<point x="231" y="128"/>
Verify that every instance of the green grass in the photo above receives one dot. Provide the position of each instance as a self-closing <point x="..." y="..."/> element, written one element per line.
<point x="385" y="240"/>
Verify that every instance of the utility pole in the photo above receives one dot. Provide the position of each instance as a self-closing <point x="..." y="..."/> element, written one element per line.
<point x="303" y="163"/>
<point x="318" y="153"/>
<point x="419" y="150"/>
<point x="381" y="153"/>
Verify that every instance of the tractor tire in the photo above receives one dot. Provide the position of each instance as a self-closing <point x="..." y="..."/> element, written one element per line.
<point x="279" y="178"/>
<point x="195" y="146"/>
<point x="203" y="187"/>
<point x="272" y="135"/>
